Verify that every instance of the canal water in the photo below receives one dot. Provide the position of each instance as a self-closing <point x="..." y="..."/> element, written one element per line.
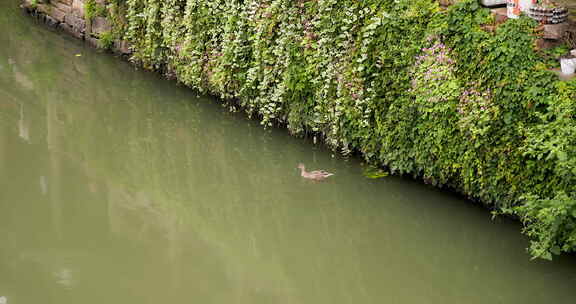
<point x="117" y="186"/>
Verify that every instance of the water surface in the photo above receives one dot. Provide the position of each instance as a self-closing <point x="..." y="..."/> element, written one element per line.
<point x="119" y="187"/>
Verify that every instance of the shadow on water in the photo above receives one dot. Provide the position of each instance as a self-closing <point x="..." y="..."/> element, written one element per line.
<point x="121" y="187"/>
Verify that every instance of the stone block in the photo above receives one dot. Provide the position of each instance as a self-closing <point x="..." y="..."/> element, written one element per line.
<point x="78" y="8"/>
<point x="445" y="3"/>
<point x="500" y="14"/>
<point x="51" y="21"/>
<point x="544" y="44"/>
<point x="65" y="27"/>
<point x="57" y="14"/>
<point x="88" y="28"/>
<point x="44" y="8"/>
<point x="555" y="31"/>
<point x="27" y="4"/>
<point x="100" y="25"/>
<point x="77" y="23"/>
<point x="78" y="35"/>
<point x="562" y="76"/>
<point x="122" y="47"/>
<point x="63" y="7"/>
<point x="93" y="42"/>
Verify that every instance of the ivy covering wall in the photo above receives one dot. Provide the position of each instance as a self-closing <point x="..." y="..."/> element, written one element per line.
<point x="448" y="96"/>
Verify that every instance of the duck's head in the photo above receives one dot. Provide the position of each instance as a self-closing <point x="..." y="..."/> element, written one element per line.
<point x="301" y="166"/>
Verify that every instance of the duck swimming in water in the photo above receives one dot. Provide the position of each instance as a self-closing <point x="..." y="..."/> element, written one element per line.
<point x="313" y="175"/>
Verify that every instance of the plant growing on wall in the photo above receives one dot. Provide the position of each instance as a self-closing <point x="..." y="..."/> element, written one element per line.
<point x="444" y="95"/>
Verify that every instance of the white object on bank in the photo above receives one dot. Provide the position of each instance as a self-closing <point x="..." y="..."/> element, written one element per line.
<point x="513" y="7"/>
<point x="568" y="65"/>
<point x="492" y="2"/>
<point x="516" y="7"/>
<point x="525" y="5"/>
<point x="3" y="300"/>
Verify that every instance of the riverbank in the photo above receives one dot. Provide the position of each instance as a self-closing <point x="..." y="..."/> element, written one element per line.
<point x="450" y="96"/>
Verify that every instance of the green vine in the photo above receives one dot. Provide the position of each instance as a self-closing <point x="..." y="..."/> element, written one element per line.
<point x="449" y="96"/>
<point x="93" y="9"/>
<point x="106" y="40"/>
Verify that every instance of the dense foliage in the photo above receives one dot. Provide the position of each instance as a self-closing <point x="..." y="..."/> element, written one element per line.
<point x="444" y="95"/>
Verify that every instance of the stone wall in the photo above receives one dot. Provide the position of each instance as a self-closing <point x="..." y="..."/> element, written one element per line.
<point x="70" y="17"/>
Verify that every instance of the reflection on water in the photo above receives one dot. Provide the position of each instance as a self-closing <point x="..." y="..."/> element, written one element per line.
<point x="119" y="187"/>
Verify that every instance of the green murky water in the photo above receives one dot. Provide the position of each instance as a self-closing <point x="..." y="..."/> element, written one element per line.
<point x="119" y="187"/>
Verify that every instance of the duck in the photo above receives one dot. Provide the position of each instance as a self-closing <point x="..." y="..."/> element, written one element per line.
<point x="317" y="175"/>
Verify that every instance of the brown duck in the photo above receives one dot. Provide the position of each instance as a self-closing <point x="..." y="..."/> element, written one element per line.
<point x="313" y="175"/>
